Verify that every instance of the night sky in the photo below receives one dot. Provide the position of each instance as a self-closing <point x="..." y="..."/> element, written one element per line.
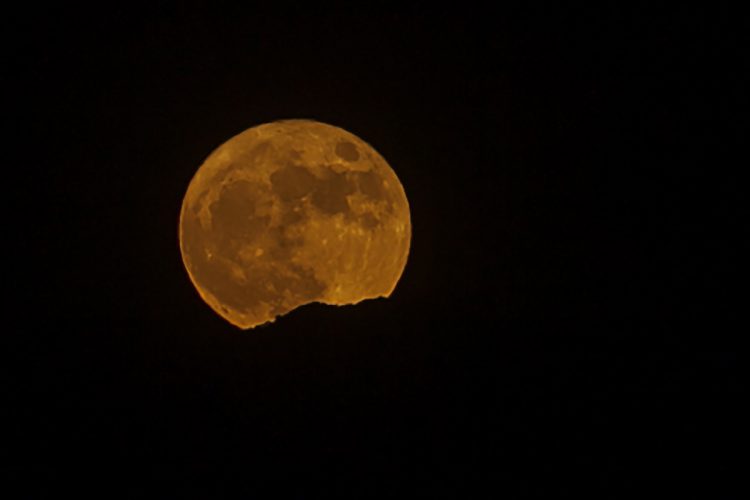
<point x="564" y="323"/>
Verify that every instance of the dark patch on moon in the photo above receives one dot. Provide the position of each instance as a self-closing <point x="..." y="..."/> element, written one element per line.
<point x="260" y="149"/>
<point x="300" y="283"/>
<point x="223" y="175"/>
<point x="330" y="193"/>
<point x="292" y="182"/>
<point x="263" y="285"/>
<point x="369" y="221"/>
<point x="233" y="214"/>
<point x="347" y="151"/>
<point x="290" y="216"/>
<point x="371" y="185"/>
<point x="255" y="155"/>
<point x="196" y="208"/>
<point x="282" y="244"/>
<point x="193" y="236"/>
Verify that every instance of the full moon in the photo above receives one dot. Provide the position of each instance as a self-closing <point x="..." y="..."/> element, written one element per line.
<point x="289" y="213"/>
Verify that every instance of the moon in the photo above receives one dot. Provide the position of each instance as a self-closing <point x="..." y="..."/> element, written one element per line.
<point x="293" y="212"/>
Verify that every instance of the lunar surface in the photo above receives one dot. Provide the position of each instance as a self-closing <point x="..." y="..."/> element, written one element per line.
<point x="293" y="212"/>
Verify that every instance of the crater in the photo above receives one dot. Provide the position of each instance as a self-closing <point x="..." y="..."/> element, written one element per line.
<point x="347" y="151"/>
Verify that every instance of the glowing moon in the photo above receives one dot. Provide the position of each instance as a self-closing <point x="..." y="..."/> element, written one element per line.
<point x="293" y="212"/>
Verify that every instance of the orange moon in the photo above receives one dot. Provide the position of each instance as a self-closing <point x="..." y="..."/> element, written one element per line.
<point x="289" y="213"/>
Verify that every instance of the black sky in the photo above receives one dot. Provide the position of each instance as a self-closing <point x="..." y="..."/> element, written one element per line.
<point x="564" y="322"/>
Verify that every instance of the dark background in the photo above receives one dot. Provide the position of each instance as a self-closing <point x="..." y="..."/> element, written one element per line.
<point x="565" y="322"/>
